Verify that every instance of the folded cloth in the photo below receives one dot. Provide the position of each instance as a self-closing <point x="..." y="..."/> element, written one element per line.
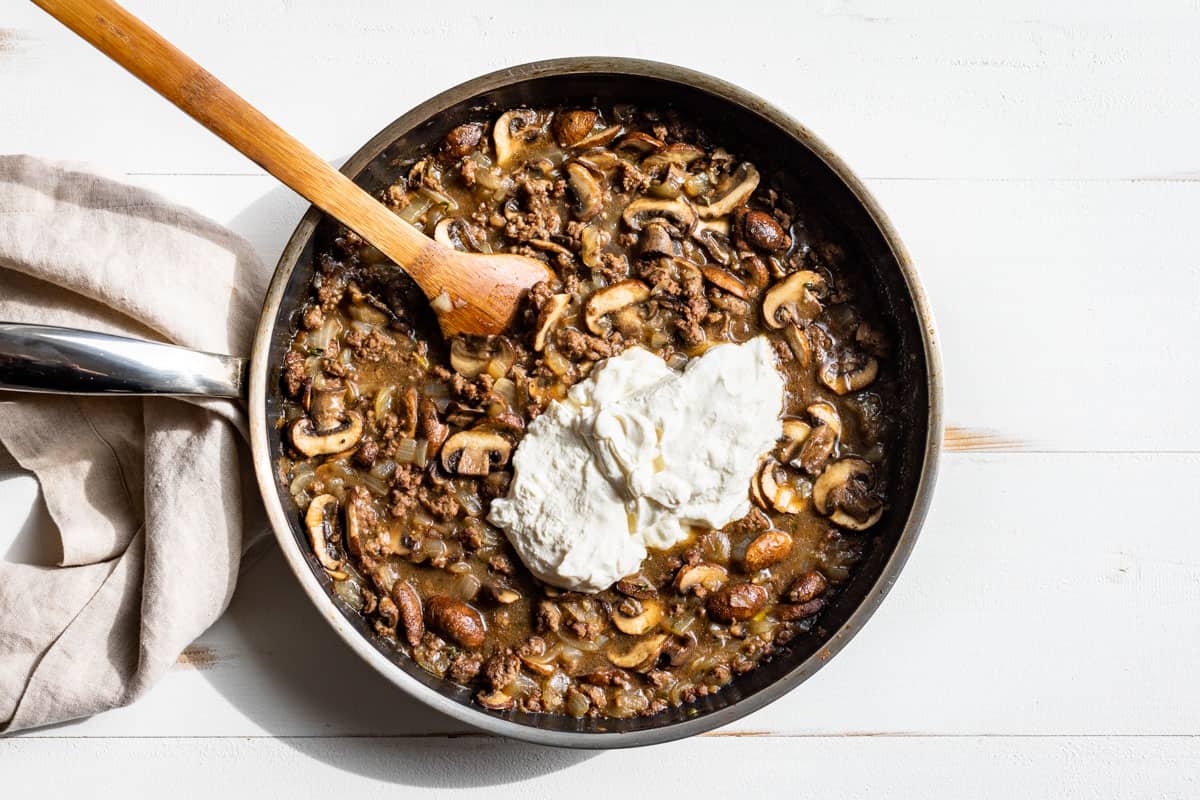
<point x="150" y="496"/>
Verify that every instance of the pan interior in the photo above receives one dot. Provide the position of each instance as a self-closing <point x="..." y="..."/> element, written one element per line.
<point x="799" y="169"/>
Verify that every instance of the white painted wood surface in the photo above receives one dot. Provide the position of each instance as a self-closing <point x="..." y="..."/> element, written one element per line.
<point x="1042" y="165"/>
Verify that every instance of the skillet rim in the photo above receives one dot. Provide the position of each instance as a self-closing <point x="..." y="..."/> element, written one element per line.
<point x="477" y="717"/>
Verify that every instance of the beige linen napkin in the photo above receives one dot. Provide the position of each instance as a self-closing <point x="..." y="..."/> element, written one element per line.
<point x="150" y="496"/>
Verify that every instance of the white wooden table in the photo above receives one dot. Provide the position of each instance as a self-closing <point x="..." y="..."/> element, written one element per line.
<point x="1043" y="165"/>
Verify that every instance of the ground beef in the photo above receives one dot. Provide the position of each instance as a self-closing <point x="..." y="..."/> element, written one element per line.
<point x="540" y="219"/>
<point x="470" y="391"/>
<point x="613" y="268"/>
<point x="464" y="667"/>
<point x="754" y="522"/>
<point x="438" y="502"/>
<point x="371" y="346"/>
<point x="579" y="346"/>
<point x="502" y="669"/>
<point x="548" y="617"/>
<point x="293" y="373"/>
<point x="586" y="630"/>
<point x="597" y="695"/>
<point x="539" y="294"/>
<point x="313" y="318"/>
<point x="329" y="292"/>
<point x="502" y="564"/>
<point x="608" y="676"/>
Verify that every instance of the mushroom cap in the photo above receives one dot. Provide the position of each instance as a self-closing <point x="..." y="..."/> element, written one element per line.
<point x="710" y="576"/>
<point x="845" y="382"/>
<point x="475" y="452"/>
<point x="837" y="474"/>
<point x="724" y="281"/>
<point x="570" y="127"/>
<point x="508" y="142"/>
<point x="745" y="182"/>
<point x="316" y="519"/>
<point x="794" y="294"/>
<point x="337" y="440"/>
<point x="782" y="497"/>
<point x="588" y="191"/>
<point x="642" y="210"/>
<point x="554" y="310"/>
<point x="642" y="655"/>
<point x="613" y="298"/>
<point x="637" y="624"/>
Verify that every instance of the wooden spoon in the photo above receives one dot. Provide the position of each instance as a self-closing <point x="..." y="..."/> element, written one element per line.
<point x="471" y="293"/>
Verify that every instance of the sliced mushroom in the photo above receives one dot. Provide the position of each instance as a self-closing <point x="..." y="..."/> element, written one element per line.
<point x="638" y="213"/>
<point x="430" y="427"/>
<point x="359" y="518"/>
<point x="677" y="154"/>
<point x="724" y="281"/>
<point x="337" y="440"/>
<point x="795" y="432"/>
<point x="818" y="449"/>
<point x="613" y="298"/>
<point x="461" y="140"/>
<point x="600" y="138"/>
<point x="845" y="494"/>
<point x="441" y="234"/>
<point x="512" y="130"/>
<point x="408" y="603"/>
<point x="551" y="313"/>
<point x="325" y="402"/>
<point x="643" y="622"/>
<point x="495" y="700"/>
<point x="825" y="414"/>
<point x="709" y="576"/>
<point x="783" y="497"/>
<point x="588" y="191"/>
<point x="600" y="161"/>
<point x="642" y="655"/>
<point x="570" y="127"/>
<point x="591" y="242"/>
<point x="799" y="344"/>
<point x="502" y="594"/>
<point x="743" y="183"/>
<point x="796" y="296"/>
<point x="859" y="376"/>
<point x="656" y="241"/>
<point x="639" y="142"/>
<point x="541" y="668"/>
<point x="317" y="521"/>
<point x="493" y="355"/>
<point x="475" y="452"/>
<point x="712" y="234"/>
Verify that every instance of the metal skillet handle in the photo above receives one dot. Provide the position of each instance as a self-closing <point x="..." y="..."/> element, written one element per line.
<point x="50" y="360"/>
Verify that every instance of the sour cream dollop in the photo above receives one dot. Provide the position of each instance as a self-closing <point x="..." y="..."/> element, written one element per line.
<point x="636" y="457"/>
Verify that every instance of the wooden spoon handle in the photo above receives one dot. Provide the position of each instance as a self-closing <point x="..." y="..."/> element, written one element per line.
<point x="160" y="65"/>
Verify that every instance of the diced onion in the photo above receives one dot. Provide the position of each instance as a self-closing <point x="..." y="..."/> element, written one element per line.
<point x="384" y="469"/>
<point x="375" y="484"/>
<point x="321" y="337"/>
<point x="418" y="205"/>
<point x="383" y="401"/>
<point x="406" y="451"/>
<point x="506" y="389"/>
